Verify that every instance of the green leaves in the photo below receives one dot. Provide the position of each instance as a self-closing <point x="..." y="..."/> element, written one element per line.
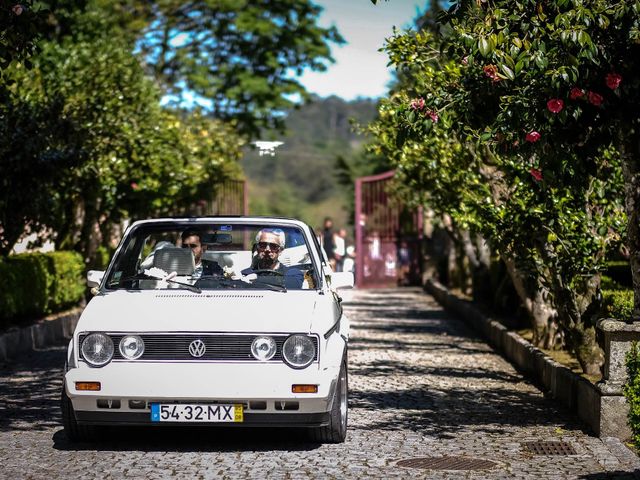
<point x="239" y="55"/>
<point x="525" y="157"/>
<point x="87" y="123"/>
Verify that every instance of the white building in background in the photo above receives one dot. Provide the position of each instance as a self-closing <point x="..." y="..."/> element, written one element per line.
<point x="23" y="245"/>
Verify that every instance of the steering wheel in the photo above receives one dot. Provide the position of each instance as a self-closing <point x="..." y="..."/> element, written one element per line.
<point x="267" y="271"/>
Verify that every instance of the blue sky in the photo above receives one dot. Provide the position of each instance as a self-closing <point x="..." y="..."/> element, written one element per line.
<point x="360" y="70"/>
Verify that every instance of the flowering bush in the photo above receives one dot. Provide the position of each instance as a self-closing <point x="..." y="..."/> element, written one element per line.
<point x="549" y="205"/>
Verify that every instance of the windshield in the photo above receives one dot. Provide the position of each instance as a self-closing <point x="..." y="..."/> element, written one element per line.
<point x="214" y="256"/>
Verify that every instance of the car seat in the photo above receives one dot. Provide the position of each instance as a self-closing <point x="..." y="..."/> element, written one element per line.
<point x="179" y="260"/>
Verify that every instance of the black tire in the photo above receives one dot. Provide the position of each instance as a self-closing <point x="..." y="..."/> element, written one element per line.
<point x="75" y="432"/>
<point x="336" y="430"/>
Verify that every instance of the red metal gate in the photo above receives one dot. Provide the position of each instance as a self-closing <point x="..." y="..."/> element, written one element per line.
<point x="388" y="236"/>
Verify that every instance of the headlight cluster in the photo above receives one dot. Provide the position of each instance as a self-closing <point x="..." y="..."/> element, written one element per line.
<point x="298" y="351"/>
<point x="131" y="347"/>
<point x="98" y="348"/>
<point x="263" y="348"/>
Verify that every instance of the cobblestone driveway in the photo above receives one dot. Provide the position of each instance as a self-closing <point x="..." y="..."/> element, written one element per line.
<point x="421" y="385"/>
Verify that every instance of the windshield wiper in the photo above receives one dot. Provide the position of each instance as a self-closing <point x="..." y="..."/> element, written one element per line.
<point x="141" y="276"/>
<point x="270" y="286"/>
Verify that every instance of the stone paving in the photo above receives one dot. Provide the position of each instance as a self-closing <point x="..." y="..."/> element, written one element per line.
<point x="422" y="385"/>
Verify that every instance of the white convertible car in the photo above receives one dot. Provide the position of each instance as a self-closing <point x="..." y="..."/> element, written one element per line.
<point x="213" y="321"/>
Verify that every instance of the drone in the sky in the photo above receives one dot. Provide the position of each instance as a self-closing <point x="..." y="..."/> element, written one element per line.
<point x="267" y="148"/>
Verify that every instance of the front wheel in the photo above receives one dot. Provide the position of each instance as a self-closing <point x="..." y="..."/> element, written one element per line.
<point x="336" y="431"/>
<point x="75" y="432"/>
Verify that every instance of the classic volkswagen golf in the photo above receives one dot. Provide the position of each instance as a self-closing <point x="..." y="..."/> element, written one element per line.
<point x="215" y="321"/>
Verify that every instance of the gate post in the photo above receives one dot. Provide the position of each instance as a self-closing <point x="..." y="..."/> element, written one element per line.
<point x="359" y="243"/>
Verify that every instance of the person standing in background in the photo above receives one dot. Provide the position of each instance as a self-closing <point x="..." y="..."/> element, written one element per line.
<point x="339" y="252"/>
<point x="328" y="242"/>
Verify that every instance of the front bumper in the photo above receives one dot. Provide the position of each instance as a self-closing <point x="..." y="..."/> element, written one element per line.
<point x="129" y="388"/>
<point x="250" y="419"/>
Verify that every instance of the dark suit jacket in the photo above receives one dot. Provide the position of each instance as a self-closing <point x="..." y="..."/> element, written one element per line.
<point x="292" y="276"/>
<point x="210" y="267"/>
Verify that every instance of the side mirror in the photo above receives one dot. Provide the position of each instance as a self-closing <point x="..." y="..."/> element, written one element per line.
<point x="341" y="280"/>
<point x="94" y="278"/>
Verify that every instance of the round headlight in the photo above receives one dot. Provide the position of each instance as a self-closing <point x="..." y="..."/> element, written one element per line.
<point x="263" y="348"/>
<point x="131" y="347"/>
<point x="299" y="351"/>
<point x="97" y="349"/>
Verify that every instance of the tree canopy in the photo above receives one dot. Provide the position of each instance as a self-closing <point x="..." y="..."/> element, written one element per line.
<point x="90" y="136"/>
<point x="238" y="57"/>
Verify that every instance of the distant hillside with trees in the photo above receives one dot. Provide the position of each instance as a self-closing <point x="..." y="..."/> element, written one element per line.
<point x="302" y="179"/>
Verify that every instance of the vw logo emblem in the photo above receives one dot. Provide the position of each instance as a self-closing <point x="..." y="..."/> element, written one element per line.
<point x="197" y="348"/>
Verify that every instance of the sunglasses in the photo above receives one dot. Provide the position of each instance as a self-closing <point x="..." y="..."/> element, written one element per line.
<point x="273" y="246"/>
<point x="190" y="245"/>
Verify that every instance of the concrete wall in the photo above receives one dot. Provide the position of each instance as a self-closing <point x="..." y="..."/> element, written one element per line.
<point x="605" y="414"/>
<point x="52" y="330"/>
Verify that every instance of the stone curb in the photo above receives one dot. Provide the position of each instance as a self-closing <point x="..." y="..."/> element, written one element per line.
<point x="606" y="415"/>
<point x="51" y="330"/>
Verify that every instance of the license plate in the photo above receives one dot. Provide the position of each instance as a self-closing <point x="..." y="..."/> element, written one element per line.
<point x="163" y="412"/>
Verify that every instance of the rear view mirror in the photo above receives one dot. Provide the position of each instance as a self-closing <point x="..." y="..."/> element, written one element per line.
<point x="217" y="238"/>
<point x="94" y="278"/>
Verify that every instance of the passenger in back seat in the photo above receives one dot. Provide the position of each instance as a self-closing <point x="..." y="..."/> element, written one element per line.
<point x="192" y="239"/>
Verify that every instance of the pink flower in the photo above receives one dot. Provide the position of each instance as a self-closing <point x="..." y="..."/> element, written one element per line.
<point x="465" y="60"/>
<point x="532" y="137"/>
<point x="134" y="186"/>
<point x="417" y="103"/>
<point x="613" y="80"/>
<point x="17" y="9"/>
<point x="576" y="93"/>
<point x="491" y="71"/>
<point x="555" y="105"/>
<point x="595" y="98"/>
<point x="433" y="115"/>
<point x="536" y="174"/>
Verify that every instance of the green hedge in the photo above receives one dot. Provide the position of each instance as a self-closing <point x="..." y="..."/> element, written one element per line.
<point x="617" y="300"/>
<point x="617" y="304"/>
<point x="631" y="390"/>
<point x="36" y="284"/>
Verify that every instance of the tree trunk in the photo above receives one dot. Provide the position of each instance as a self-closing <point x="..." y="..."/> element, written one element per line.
<point x="536" y="302"/>
<point x="91" y="236"/>
<point x="480" y="275"/>
<point x="572" y="301"/>
<point x="69" y="231"/>
<point x="581" y="337"/>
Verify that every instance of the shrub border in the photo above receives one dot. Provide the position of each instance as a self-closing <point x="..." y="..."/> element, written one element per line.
<point x="605" y="414"/>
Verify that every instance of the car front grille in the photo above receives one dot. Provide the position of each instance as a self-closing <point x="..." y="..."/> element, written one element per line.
<point x="219" y="347"/>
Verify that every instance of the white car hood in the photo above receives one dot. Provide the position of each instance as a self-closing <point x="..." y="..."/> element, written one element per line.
<point x="210" y="311"/>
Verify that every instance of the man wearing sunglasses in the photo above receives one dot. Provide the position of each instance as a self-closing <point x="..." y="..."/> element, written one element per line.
<point x="269" y="245"/>
<point x="204" y="268"/>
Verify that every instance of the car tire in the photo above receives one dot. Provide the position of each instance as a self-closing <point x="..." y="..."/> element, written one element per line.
<point x="336" y="430"/>
<point x="75" y="432"/>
